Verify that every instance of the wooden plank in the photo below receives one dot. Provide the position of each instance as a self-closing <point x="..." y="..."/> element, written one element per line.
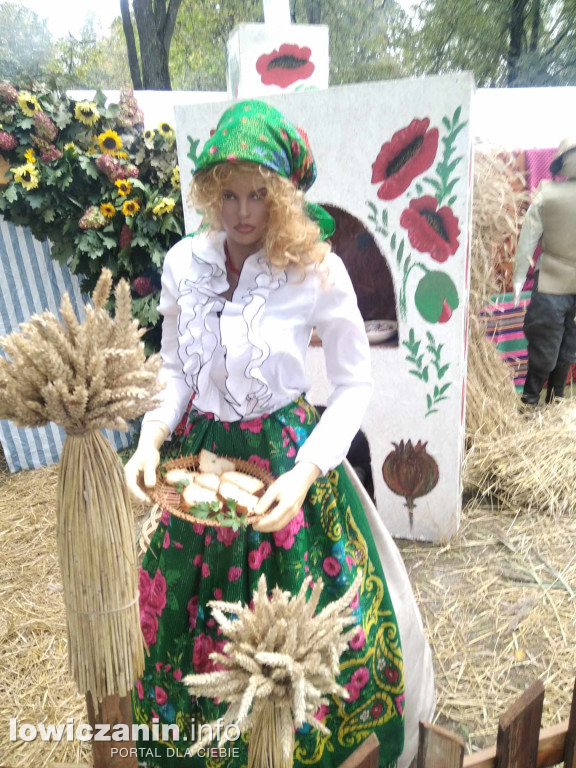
<point x="438" y="748"/>
<point x="550" y="750"/>
<point x="366" y="756"/>
<point x="570" y="748"/>
<point x="519" y="729"/>
<point x="112" y="710"/>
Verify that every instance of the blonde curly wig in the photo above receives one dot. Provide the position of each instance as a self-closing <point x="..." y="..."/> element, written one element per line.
<point x="291" y="237"/>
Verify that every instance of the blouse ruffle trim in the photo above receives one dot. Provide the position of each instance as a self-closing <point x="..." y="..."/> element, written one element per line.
<point x="238" y="329"/>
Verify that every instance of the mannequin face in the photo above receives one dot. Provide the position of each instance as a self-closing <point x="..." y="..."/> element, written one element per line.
<point x="244" y="213"/>
<point x="569" y="164"/>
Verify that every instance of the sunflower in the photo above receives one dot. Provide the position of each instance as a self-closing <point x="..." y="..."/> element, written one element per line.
<point x="130" y="207"/>
<point x="27" y="175"/>
<point x="108" y="210"/>
<point x="149" y="138"/>
<point x="164" y="206"/>
<point x="109" y="142"/>
<point x="121" y="155"/>
<point x="28" y="103"/>
<point x="71" y="147"/>
<point x="123" y="186"/>
<point x="86" y="112"/>
<point x="30" y="156"/>
<point x="166" y="130"/>
<point x="175" y="180"/>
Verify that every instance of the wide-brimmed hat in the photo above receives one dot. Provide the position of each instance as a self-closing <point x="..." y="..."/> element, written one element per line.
<point x="565" y="146"/>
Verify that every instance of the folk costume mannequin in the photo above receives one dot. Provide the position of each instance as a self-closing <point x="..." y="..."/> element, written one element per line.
<point x="239" y="302"/>
<point x="549" y="324"/>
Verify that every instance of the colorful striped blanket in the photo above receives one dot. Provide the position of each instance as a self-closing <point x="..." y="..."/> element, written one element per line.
<point x="504" y="324"/>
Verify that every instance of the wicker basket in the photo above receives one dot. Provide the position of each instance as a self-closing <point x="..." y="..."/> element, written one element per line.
<point x="167" y="497"/>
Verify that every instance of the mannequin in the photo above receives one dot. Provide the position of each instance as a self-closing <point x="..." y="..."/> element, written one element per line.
<point x="549" y="324"/>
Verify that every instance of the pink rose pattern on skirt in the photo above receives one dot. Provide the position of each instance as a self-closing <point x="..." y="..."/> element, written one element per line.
<point x="188" y="565"/>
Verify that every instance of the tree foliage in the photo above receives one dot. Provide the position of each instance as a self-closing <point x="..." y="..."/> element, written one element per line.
<point x="25" y="43"/>
<point x="91" y="60"/>
<point x="504" y="42"/>
<point x="198" y="58"/>
<point x="365" y="37"/>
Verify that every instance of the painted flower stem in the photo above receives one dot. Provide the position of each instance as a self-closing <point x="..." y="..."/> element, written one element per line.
<point x="402" y="301"/>
<point x="410" y="507"/>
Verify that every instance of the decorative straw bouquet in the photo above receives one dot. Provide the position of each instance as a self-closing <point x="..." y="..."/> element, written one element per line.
<point x="280" y="663"/>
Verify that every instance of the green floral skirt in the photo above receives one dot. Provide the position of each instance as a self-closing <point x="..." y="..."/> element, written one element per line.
<point x="188" y="565"/>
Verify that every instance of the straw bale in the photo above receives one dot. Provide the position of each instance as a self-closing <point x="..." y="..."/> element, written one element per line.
<point x="528" y="460"/>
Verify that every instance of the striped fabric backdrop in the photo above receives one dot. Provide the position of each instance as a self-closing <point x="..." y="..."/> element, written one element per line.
<point x="504" y="324"/>
<point x="31" y="282"/>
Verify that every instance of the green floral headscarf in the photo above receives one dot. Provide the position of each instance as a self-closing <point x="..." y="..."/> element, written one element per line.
<point x="255" y="132"/>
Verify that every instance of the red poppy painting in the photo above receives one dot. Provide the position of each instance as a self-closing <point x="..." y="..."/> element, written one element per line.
<point x="410" y="152"/>
<point x="431" y="229"/>
<point x="285" y="66"/>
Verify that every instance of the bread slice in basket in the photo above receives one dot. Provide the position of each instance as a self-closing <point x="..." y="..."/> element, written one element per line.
<point x="245" y="502"/>
<point x="194" y="494"/>
<point x="212" y="490"/>
<point x="247" y="483"/>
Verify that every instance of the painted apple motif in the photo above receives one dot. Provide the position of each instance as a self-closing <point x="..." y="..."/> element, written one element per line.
<point x="436" y="297"/>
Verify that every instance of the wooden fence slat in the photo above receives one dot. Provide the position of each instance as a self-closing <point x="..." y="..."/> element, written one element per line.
<point x="438" y="748"/>
<point x="570" y="748"/>
<point x="519" y="729"/>
<point x="366" y="756"/>
<point x="551" y="750"/>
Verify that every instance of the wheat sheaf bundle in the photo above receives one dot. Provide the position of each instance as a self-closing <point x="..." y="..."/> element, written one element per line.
<point x="280" y="663"/>
<point x="83" y="376"/>
<point x="87" y="376"/>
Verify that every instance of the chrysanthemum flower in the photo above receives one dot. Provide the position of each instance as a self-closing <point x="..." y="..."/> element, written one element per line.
<point x="109" y="142"/>
<point x="45" y="128"/>
<point x="8" y="94"/>
<point x="164" y="206"/>
<point x="92" y="218"/>
<point x="86" y="112"/>
<point x="123" y="186"/>
<point x="28" y="103"/>
<point x="26" y="175"/>
<point x="176" y="177"/>
<point x="130" y="207"/>
<point x="8" y="141"/>
<point x="30" y="156"/>
<point x="108" y="210"/>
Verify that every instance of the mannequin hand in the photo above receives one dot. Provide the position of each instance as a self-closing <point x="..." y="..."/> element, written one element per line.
<point x="289" y="491"/>
<point x="145" y="460"/>
<point x="517" y="292"/>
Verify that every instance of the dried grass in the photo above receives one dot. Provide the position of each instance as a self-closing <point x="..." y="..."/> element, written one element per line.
<point x="524" y="461"/>
<point x="499" y="607"/>
<point x="35" y="685"/>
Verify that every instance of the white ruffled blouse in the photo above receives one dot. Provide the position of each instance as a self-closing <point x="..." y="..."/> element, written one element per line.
<point x="244" y="358"/>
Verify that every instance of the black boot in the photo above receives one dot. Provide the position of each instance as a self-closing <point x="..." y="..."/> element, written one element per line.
<point x="535" y="379"/>
<point x="556" y="382"/>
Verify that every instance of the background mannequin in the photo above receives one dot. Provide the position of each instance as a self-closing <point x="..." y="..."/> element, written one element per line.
<point x="549" y="323"/>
